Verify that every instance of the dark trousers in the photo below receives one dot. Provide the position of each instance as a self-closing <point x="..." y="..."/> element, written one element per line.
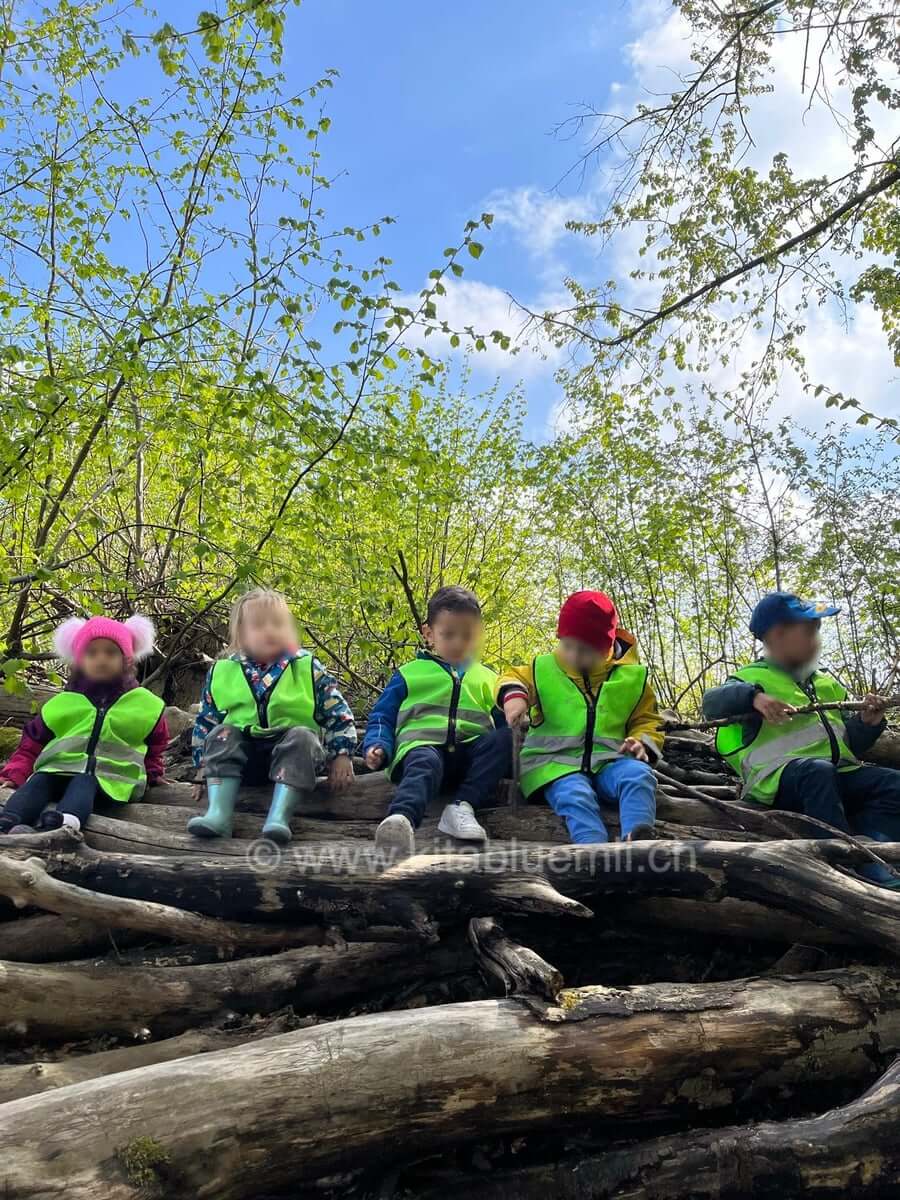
<point x="293" y="756"/>
<point x="473" y="769"/>
<point x="73" y="794"/>
<point x="865" y="801"/>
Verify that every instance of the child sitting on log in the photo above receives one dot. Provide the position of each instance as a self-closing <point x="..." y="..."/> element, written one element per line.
<point x="435" y="724"/>
<point x="592" y="723"/>
<point x="263" y="707"/>
<point x="806" y="763"/>
<point x="103" y="734"/>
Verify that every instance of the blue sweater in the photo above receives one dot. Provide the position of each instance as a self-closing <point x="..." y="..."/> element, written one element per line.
<point x="381" y="729"/>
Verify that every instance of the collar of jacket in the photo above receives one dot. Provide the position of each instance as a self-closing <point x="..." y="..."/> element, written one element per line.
<point x="624" y="651"/>
<point x="458" y="671"/>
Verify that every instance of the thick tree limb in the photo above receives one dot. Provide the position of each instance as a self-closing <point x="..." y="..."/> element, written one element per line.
<point x="353" y="1093"/>
<point x="849" y="1151"/>
<point x="518" y="969"/>
<point x="78" y="1000"/>
<point x="28" y="885"/>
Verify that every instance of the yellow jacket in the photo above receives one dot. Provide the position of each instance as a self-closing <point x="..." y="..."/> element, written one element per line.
<point x="644" y="723"/>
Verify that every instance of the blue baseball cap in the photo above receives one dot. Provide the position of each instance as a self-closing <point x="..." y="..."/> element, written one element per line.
<point x="780" y="608"/>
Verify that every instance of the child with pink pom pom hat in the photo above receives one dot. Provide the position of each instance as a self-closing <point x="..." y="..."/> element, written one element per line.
<point x="102" y="736"/>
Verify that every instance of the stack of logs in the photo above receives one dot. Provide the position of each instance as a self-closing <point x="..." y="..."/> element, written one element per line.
<point x="664" y="1019"/>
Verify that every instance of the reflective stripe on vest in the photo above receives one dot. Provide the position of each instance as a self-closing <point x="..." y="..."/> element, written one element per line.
<point x="761" y="760"/>
<point x="110" y="744"/>
<point x="439" y="709"/>
<point x="291" y="701"/>
<point x="560" y="742"/>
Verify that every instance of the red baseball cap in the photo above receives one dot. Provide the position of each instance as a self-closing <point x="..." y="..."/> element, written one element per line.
<point x="590" y="617"/>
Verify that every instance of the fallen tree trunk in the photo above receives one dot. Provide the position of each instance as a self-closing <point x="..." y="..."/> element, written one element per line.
<point x="46" y="937"/>
<point x="850" y="1151"/>
<point x="28" y="885"/>
<point x="33" y="1078"/>
<point x="78" y="1000"/>
<point x="354" y="1093"/>
<point x="806" y="879"/>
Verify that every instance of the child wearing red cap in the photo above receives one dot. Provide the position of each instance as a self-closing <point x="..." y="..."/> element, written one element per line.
<point x="103" y="733"/>
<point x="593" y="725"/>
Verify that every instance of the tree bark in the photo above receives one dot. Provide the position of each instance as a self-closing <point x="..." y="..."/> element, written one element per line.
<point x="806" y="879"/>
<point x="42" y="1075"/>
<point x="353" y="1093"/>
<point x="82" y="999"/>
<point x="849" y="1151"/>
<point x="46" y="937"/>
<point x="518" y="969"/>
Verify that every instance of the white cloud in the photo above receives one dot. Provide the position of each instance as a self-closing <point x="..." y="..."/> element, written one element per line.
<point x="538" y="218"/>
<point x="486" y="307"/>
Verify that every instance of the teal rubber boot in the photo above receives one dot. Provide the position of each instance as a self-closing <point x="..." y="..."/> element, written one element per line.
<point x="278" y="823"/>
<point x="216" y="822"/>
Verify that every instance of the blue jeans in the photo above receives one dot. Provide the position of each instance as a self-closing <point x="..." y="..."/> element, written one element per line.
<point x="865" y="801"/>
<point x="624" y="781"/>
<point x="474" y="769"/>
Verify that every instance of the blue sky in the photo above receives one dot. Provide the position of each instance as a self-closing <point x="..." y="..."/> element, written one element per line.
<point x="442" y="110"/>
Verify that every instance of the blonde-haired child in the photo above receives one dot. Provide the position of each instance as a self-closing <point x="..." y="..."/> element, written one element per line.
<point x="264" y="705"/>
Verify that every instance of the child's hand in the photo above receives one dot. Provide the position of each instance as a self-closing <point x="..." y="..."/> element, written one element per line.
<point x="340" y="773"/>
<point x="7" y="787"/>
<point x="775" y="711"/>
<point x="375" y="758"/>
<point x="872" y="711"/>
<point x="197" y="791"/>
<point x="634" y="748"/>
<point x="516" y="713"/>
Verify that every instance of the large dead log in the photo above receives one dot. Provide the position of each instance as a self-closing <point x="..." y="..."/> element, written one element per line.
<point x="806" y="879"/>
<point x="46" y="1075"/>
<point x="77" y="1000"/>
<point x="850" y="1151"/>
<point x="291" y="1109"/>
<point x="886" y="751"/>
<point x="28" y="885"/>
<point x="46" y="937"/>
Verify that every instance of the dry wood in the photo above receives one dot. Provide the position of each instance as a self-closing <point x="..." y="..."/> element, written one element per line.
<point x="397" y="1085"/>
<point x="518" y="969"/>
<point x="46" y="1075"/>
<point x="807" y="879"/>
<point x="850" y="1151"/>
<point x="76" y="1000"/>
<point x="27" y="884"/>
<point x="46" y="937"/>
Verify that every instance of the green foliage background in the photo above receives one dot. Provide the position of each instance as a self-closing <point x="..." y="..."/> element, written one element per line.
<point x="206" y="385"/>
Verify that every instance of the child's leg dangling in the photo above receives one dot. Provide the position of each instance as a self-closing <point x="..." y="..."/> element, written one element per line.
<point x="632" y="785"/>
<point x="297" y="759"/>
<point x="27" y="802"/>
<point x="573" y="798"/>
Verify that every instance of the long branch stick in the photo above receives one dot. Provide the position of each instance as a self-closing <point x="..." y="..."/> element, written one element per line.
<point x="829" y="706"/>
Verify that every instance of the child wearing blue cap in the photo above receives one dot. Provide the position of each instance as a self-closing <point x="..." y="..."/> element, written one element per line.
<point x="804" y="762"/>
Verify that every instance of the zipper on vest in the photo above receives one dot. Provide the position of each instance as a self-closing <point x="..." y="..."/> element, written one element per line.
<point x="832" y="738"/>
<point x="590" y="701"/>
<point x="91" y="765"/>
<point x="451" y="717"/>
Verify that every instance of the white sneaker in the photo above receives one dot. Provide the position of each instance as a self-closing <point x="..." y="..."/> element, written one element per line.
<point x="395" y="838"/>
<point x="458" y="820"/>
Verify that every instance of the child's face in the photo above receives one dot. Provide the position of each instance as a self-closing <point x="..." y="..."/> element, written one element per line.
<point x="455" y="636"/>
<point x="579" y="656"/>
<point x="266" y="632"/>
<point x="796" y="644"/>
<point x="102" y="660"/>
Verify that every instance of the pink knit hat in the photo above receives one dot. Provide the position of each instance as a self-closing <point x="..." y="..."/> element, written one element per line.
<point x="134" y="637"/>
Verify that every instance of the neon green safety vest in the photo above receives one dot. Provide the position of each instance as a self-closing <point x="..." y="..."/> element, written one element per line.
<point x="577" y="733"/>
<point x="440" y="709"/>
<point x="109" y="743"/>
<point x="292" y="700"/>
<point x="761" y="757"/>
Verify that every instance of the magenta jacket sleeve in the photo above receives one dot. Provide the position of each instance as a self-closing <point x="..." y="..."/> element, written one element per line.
<point x="156" y="745"/>
<point x="20" y="766"/>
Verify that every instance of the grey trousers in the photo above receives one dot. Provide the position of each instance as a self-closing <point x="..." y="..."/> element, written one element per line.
<point x="293" y="756"/>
